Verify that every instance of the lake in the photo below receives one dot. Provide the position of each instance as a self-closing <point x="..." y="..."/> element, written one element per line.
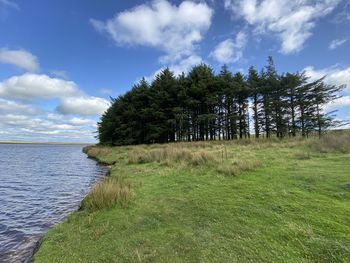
<point x="40" y="185"/>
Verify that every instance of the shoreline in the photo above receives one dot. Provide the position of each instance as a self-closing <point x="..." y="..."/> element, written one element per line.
<point x="37" y="244"/>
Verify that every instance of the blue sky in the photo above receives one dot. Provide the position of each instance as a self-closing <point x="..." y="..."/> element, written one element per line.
<point x="61" y="60"/>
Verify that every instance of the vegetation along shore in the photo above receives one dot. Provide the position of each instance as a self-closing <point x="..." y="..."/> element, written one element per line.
<point x="250" y="200"/>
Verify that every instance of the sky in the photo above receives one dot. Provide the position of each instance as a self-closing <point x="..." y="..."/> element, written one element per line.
<point x="61" y="61"/>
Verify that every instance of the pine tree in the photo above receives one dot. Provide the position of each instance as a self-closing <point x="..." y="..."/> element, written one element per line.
<point x="242" y="94"/>
<point x="202" y="106"/>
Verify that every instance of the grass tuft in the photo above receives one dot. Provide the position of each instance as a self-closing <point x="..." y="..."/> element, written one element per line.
<point x="108" y="193"/>
<point x="201" y="158"/>
<point x="170" y="155"/>
<point x="238" y="166"/>
<point x="104" y="154"/>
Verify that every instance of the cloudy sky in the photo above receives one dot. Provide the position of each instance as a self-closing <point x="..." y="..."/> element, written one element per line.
<point x="60" y="61"/>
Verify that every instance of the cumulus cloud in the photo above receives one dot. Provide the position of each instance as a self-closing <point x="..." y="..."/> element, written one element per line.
<point x="229" y="51"/>
<point x="334" y="75"/>
<point x="291" y="21"/>
<point x="176" y="30"/>
<point x="341" y="106"/>
<point x="336" y="43"/>
<point x="8" y="107"/>
<point x="340" y="102"/>
<point x="20" y="97"/>
<point x="21" y="121"/>
<point x="186" y="64"/>
<point x="33" y="86"/>
<point x="20" y="58"/>
<point x="76" y="121"/>
<point x="84" y="105"/>
<point x="159" y="24"/>
<point x="180" y="67"/>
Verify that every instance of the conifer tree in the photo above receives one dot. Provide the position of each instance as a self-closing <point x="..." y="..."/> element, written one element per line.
<point x="203" y="106"/>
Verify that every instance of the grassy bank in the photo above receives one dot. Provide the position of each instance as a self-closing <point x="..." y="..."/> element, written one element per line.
<point x="246" y="201"/>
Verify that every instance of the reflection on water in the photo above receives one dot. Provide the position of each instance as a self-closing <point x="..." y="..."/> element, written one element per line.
<point x="39" y="186"/>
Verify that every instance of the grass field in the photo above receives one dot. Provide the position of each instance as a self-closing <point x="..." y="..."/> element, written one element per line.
<point x="244" y="201"/>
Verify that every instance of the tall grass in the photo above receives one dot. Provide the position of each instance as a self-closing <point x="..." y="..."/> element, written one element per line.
<point x="105" y="155"/>
<point x="107" y="194"/>
<point x="171" y="155"/>
<point x="222" y="156"/>
<point x="238" y="166"/>
<point x="334" y="142"/>
<point x="94" y="151"/>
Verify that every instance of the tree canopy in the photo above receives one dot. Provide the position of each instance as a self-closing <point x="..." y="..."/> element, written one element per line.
<point x="201" y="105"/>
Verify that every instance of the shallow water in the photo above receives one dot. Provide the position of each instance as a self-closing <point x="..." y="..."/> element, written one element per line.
<point x="39" y="186"/>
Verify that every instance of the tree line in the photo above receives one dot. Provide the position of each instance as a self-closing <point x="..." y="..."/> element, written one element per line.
<point x="203" y="106"/>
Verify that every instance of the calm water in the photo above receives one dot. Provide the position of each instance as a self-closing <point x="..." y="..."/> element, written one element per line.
<point x="39" y="186"/>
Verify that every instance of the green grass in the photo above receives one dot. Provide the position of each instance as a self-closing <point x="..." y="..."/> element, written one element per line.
<point x="248" y="201"/>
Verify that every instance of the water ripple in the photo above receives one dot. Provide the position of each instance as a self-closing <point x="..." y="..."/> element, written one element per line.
<point x="39" y="186"/>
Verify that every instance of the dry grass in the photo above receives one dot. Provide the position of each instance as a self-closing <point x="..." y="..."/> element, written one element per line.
<point x="238" y="166"/>
<point x="94" y="151"/>
<point x="223" y="156"/>
<point x="202" y="158"/>
<point x="106" y="155"/>
<point x="170" y="155"/>
<point x="108" y="193"/>
<point x="336" y="142"/>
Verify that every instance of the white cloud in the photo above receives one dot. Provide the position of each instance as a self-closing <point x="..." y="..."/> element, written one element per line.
<point x="20" y="58"/>
<point x="229" y="51"/>
<point x="159" y="24"/>
<point x="76" y="121"/>
<point x="186" y="64"/>
<point x="176" y="30"/>
<point x="180" y="67"/>
<point x="291" y="21"/>
<point x="33" y="86"/>
<point x="84" y="105"/>
<point x="334" y="75"/>
<point x="8" y="106"/>
<point x="22" y="119"/>
<point x="341" y="104"/>
<point x="336" y="43"/>
<point x="25" y="122"/>
<point x="9" y="4"/>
